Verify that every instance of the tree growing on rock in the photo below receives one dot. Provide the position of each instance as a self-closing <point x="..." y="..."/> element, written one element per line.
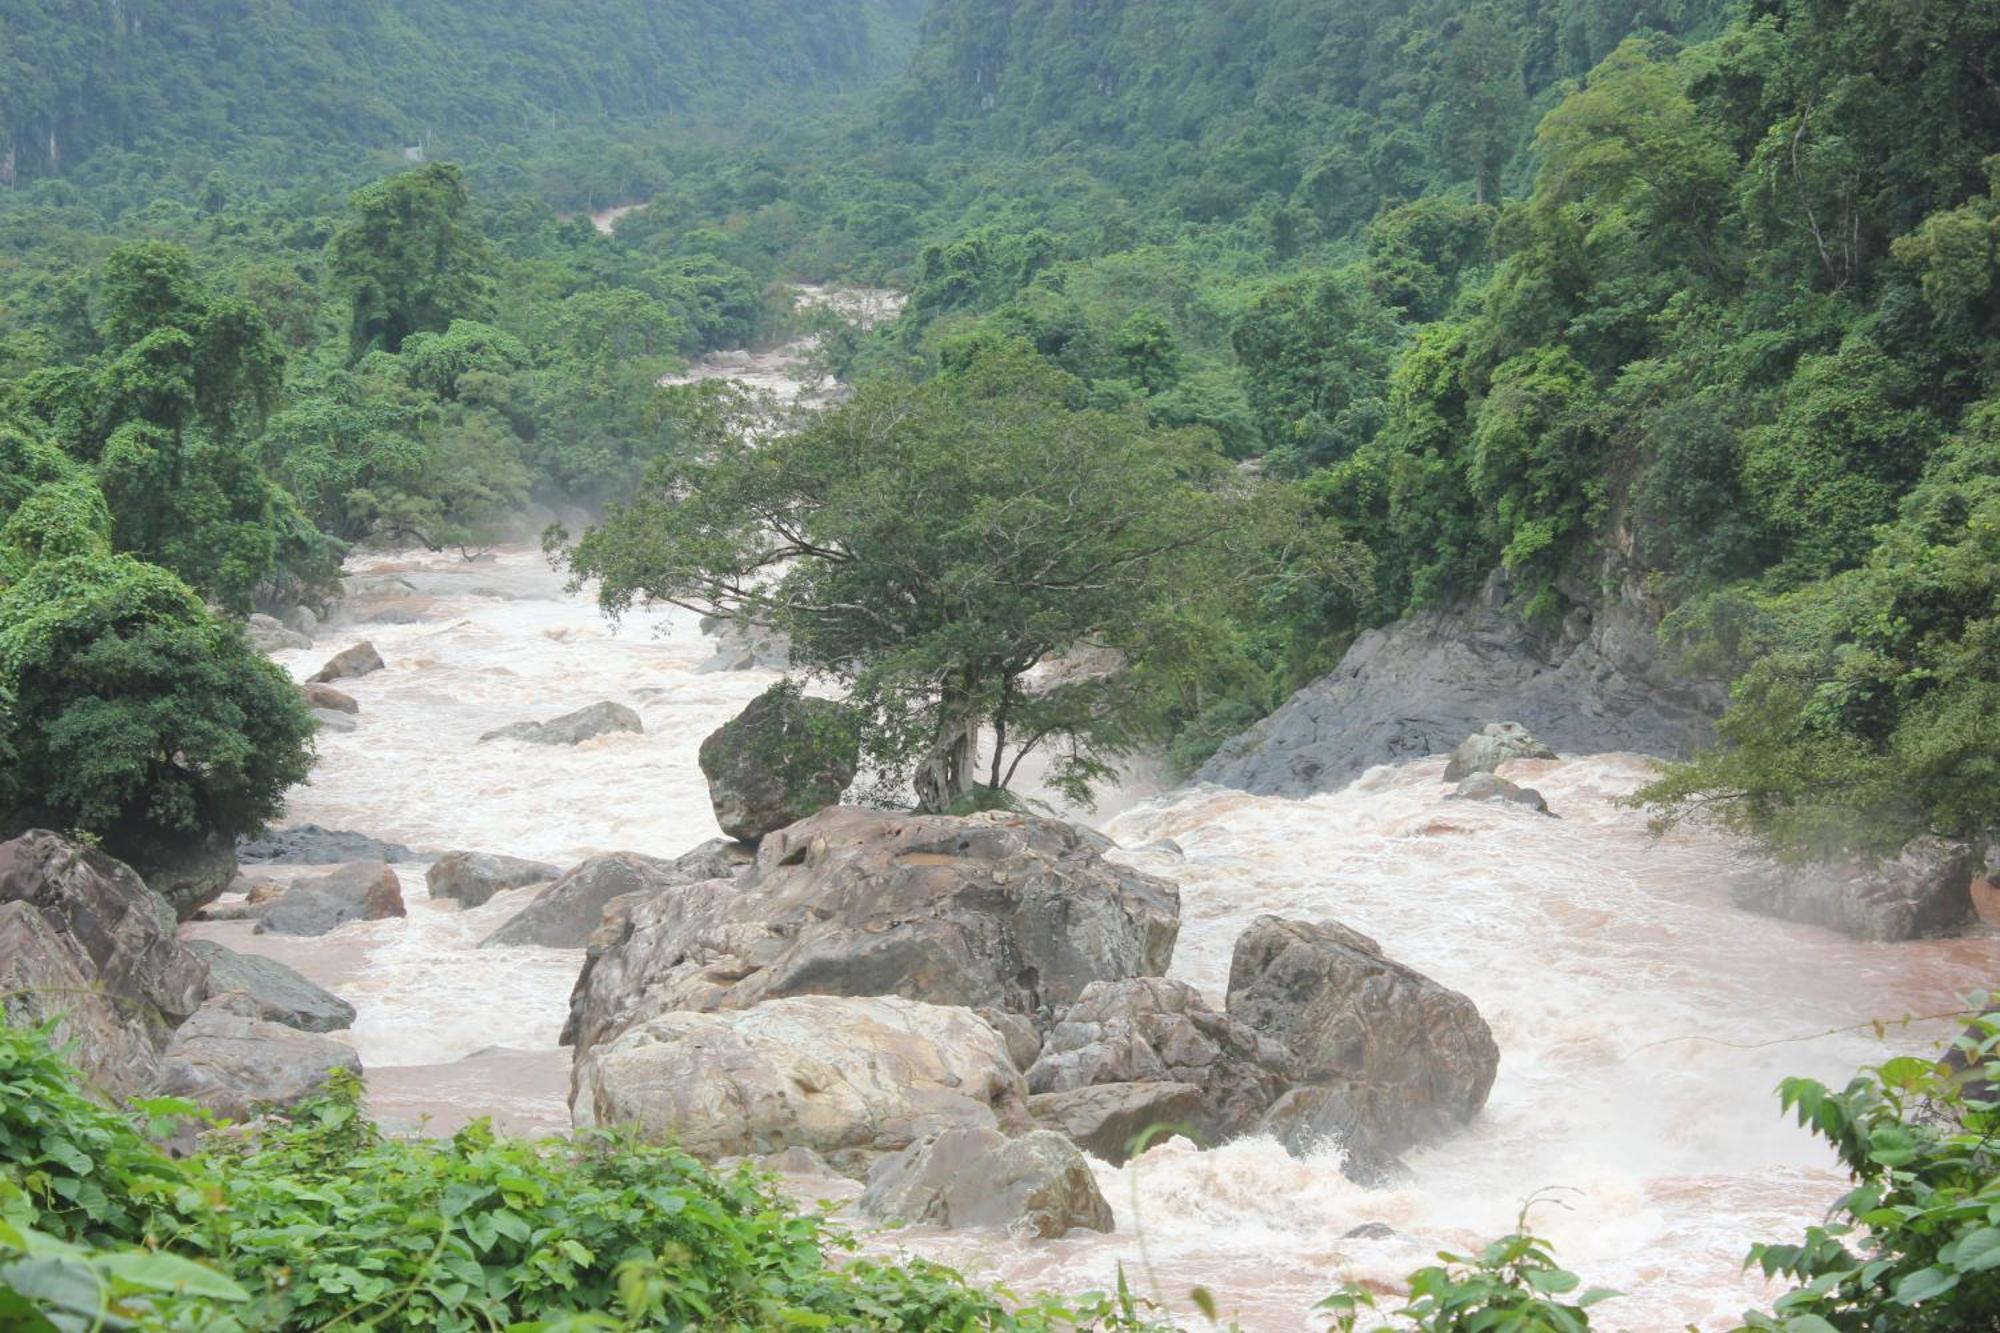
<point x="928" y="546"/>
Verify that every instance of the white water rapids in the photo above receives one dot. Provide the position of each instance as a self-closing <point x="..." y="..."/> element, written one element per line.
<point x="1628" y="997"/>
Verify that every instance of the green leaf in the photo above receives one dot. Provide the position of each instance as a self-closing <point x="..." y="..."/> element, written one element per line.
<point x="156" y="1271"/>
<point x="1924" y="1284"/>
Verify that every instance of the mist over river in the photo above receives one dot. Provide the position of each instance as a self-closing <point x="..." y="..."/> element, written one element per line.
<point x="1635" y="1009"/>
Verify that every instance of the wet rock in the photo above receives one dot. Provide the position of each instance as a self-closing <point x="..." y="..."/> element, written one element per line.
<point x="848" y="1077"/>
<point x="1924" y="890"/>
<point x="237" y="1064"/>
<point x="1596" y="683"/>
<point x="189" y="872"/>
<point x="1403" y="1058"/>
<point x="311" y="845"/>
<point x="360" y="660"/>
<point x="740" y="647"/>
<point x="1110" y="1120"/>
<point x="328" y="720"/>
<point x="279" y="993"/>
<point x="568" y="913"/>
<point x="1036" y="1185"/>
<point x="1013" y="911"/>
<point x="782" y="758"/>
<point x="1151" y="1030"/>
<point x="1307" y="1120"/>
<point x="470" y="878"/>
<point x="398" y="611"/>
<point x="85" y="942"/>
<point x="300" y="620"/>
<point x="1487" y="787"/>
<point x="1370" y="1231"/>
<point x="571" y="728"/>
<point x="1491" y="747"/>
<point x="363" y="891"/>
<point x="267" y="635"/>
<point x="320" y="696"/>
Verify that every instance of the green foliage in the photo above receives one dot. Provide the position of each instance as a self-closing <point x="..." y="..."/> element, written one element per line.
<point x="411" y="258"/>
<point x="1513" y="1284"/>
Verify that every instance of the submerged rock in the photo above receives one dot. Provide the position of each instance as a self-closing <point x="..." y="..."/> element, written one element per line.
<point x="470" y="878"/>
<point x="568" y="913"/>
<point x="782" y="758"/>
<point x="311" y="845"/>
<point x="237" y="1063"/>
<point x="1491" y="747"/>
<point x="1924" y="890"/>
<point x="329" y="720"/>
<point x="571" y="728"/>
<point x="1487" y="787"/>
<point x="280" y="994"/>
<point x="363" y="891"/>
<point x="359" y="660"/>
<point x="1035" y="1185"/>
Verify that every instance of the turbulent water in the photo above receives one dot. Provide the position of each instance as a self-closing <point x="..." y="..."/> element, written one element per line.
<point x="1639" y="1016"/>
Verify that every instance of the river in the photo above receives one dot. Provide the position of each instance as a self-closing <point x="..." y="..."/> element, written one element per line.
<point x="1641" y="1019"/>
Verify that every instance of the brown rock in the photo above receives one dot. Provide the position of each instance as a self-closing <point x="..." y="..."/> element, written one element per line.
<point x="360" y="660"/>
<point x="1035" y="1185"/>
<point x="1109" y="1120"/>
<point x="320" y="695"/>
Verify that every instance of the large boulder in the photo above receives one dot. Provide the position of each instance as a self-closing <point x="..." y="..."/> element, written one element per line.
<point x="782" y="758"/>
<point x="311" y="845"/>
<point x="848" y="1077"/>
<point x="571" y="728"/>
<point x="1008" y="910"/>
<point x="84" y="941"/>
<point x="269" y="635"/>
<point x="1110" y="1120"/>
<point x="237" y="1063"/>
<point x="1153" y="1030"/>
<point x="360" y="660"/>
<point x="363" y="891"/>
<point x="567" y="914"/>
<point x="470" y="878"/>
<point x="1491" y="787"/>
<point x="189" y="871"/>
<point x="1035" y="1185"/>
<point x="1408" y="1059"/>
<point x="1924" y="890"/>
<point x="279" y="993"/>
<point x="1492" y="746"/>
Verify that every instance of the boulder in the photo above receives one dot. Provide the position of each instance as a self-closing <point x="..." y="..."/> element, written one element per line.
<point x="1924" y="890"/>
<point x="1108" y="1120"/>
<point x="363" y="891"/>
<point x="237" y="1064"/>
<point x="360" y="660"/>
<point x="267" y="635"/>
<point x="311" y="845"/>
<point x="847" y="1077"/>
<point x="1408" y="1058"/>
<point x="1305" y="1120"/>
<point x="571" y="728"/>
<point x="189" y="871"/>
<point x="1487" y="787"/>
<point x="396" y="611"/>
<point x="470" y="878"/>
<point x="1013" y="911"/>
<point x="567" y="914"/>
<point x="85" y="942"/>
<point x="1491" y="747"/>
<point x="740" y="647"/>
<point x="1024" y="1043"/>
<point x="300" y="620"/>
<point x="1036" y="1185"/>
<point x="319" y="696"/>
<point x="328" y="720"/>
<point x="1151" y="1030"/>
<point x="782" y="758"/>
<point x="280" y="994"/>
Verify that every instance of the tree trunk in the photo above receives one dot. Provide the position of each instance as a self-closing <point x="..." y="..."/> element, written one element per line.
<point x="948" y="768"/>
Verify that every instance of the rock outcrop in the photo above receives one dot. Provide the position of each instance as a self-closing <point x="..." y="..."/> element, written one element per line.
<point x="575" y="728"/>
<point x="279" y="993"/>
<point x="190" y="871"/>
<point x="363" y="891"/>
<point x="1012" y="911"/>
<point x="782" y="758"/>
<point x="1037" y="1185"/>
<point x="84" y="941"/>
<point x="470" y="878"/>
<point x="1492" y="746"/>
<point x="1597" y="682"/>
<point x="849" y="1078"/>
<point x="567" y="914"/>
<point x="359" y="660"/>
<point x="237" y="1063"/>
<point x="1398" y="1058"/>
<point x="1924" y="890"/>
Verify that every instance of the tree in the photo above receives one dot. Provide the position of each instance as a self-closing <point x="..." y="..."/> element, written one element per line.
<point x="928" y="547"/>
<point x="411" y="258"/>
<point x="1315" y="354"/>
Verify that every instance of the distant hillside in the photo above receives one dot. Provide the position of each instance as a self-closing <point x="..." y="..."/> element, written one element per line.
<point x="170" y="76"/>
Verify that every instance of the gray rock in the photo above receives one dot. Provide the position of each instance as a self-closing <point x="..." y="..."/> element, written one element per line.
<point x="360" y="660"/>
<point x="1417" y="688"/>
<point x="740" y="647"/>
<point x="237" y="1064"/>
<point x="300" y="620"/>
<point x="363" y="891"/>
<point x="329" y="720"/>
<point x="470" y="878"/>
<point x="1012" y="911"/>
<point x="1036" y="1185"/>
<point x="311" y="845"/>
<point x="568" y="913"/>
<point x="1488" y="787"/>
<point x="1109" y="1120"/>
<point x="1306" y="1120"/>
<point x="1406" y="1058"/>
<point x="1024" y="1044"/>
<point x="571" y="728"/>
<point x="280" y="994"/>
<point x="1491" y="747"/>
<point x="1924" y="890"/>
<point x="267" y="635"/>
<point x="189" y="871"/>
<point x="782" y="758"/>
<point x="1370" y="1231"/>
